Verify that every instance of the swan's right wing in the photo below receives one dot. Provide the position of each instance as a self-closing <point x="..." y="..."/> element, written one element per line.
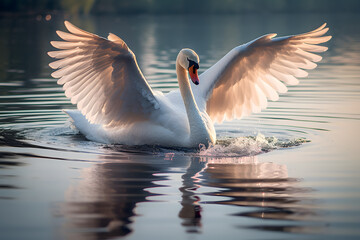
<point x="102" y="77"/>
<point x="242" y="81"/>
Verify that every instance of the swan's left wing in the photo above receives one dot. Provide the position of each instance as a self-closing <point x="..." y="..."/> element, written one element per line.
<point x="102" y="77"/>
<point x="242" y="81"/>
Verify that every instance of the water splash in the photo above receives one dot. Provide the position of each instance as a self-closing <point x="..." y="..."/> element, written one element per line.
<point x="247" y="146"/>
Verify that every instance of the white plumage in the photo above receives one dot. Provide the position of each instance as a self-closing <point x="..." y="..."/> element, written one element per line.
<point x="117" y="104"/>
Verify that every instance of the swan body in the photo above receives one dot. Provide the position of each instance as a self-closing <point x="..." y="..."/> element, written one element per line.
<point x="116" y="104"/>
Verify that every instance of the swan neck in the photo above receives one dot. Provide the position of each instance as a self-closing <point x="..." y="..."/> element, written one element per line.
<point x="185" y="88"/>
<point x="191" y="107"/>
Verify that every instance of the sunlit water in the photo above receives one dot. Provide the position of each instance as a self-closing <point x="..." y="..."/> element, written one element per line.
<point x="290" y="172"/>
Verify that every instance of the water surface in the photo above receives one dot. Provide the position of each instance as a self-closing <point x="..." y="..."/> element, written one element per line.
<point x="290" y="172"/>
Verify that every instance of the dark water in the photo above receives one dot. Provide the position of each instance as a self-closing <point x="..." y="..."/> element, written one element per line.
<point x="291" y="172"/>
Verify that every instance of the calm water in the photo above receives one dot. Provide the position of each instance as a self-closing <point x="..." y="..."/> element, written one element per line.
<point x="291" y="172"/>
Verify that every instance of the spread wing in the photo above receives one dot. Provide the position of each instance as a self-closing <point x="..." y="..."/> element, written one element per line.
<point x="102" y="77"/>
<point x="242" y="81"/>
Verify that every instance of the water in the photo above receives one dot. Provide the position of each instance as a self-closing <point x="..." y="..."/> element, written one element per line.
<point x="290" y="172"/>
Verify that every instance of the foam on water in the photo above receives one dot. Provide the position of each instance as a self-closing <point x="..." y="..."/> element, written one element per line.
<point x="247" y="146"/>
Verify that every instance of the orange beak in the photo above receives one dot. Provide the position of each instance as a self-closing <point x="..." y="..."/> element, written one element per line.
<point x="194" y="75"/>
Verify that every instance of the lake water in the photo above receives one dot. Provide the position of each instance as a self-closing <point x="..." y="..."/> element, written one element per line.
<point x="290" y="172"/>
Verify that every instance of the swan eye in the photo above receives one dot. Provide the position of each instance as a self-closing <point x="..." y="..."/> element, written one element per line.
<point x="192" y="63"/>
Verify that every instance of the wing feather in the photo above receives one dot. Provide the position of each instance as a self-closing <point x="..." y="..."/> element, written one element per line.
<point x="102" y="77"/>
<point x="243" y="80"/>
<point x="77" y="31"/>
<point x="66" y="45"/>
<point x="312" y="48"/>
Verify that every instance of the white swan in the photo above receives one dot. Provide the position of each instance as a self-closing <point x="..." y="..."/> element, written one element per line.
<point x="117" y="104"/>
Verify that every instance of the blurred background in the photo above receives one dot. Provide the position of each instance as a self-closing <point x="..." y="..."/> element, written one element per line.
<point x="174" y="7"/>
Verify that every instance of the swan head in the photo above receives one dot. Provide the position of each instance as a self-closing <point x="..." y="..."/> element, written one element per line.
<point x="189" y="60"/>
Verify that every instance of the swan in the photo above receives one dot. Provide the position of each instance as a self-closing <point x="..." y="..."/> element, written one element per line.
<point x="116" y="104"/>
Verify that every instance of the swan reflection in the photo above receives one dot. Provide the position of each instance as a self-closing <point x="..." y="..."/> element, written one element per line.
<point x="102" y="204"/>
<point x="190" y="212"/>
<point x="266" y="186"/>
